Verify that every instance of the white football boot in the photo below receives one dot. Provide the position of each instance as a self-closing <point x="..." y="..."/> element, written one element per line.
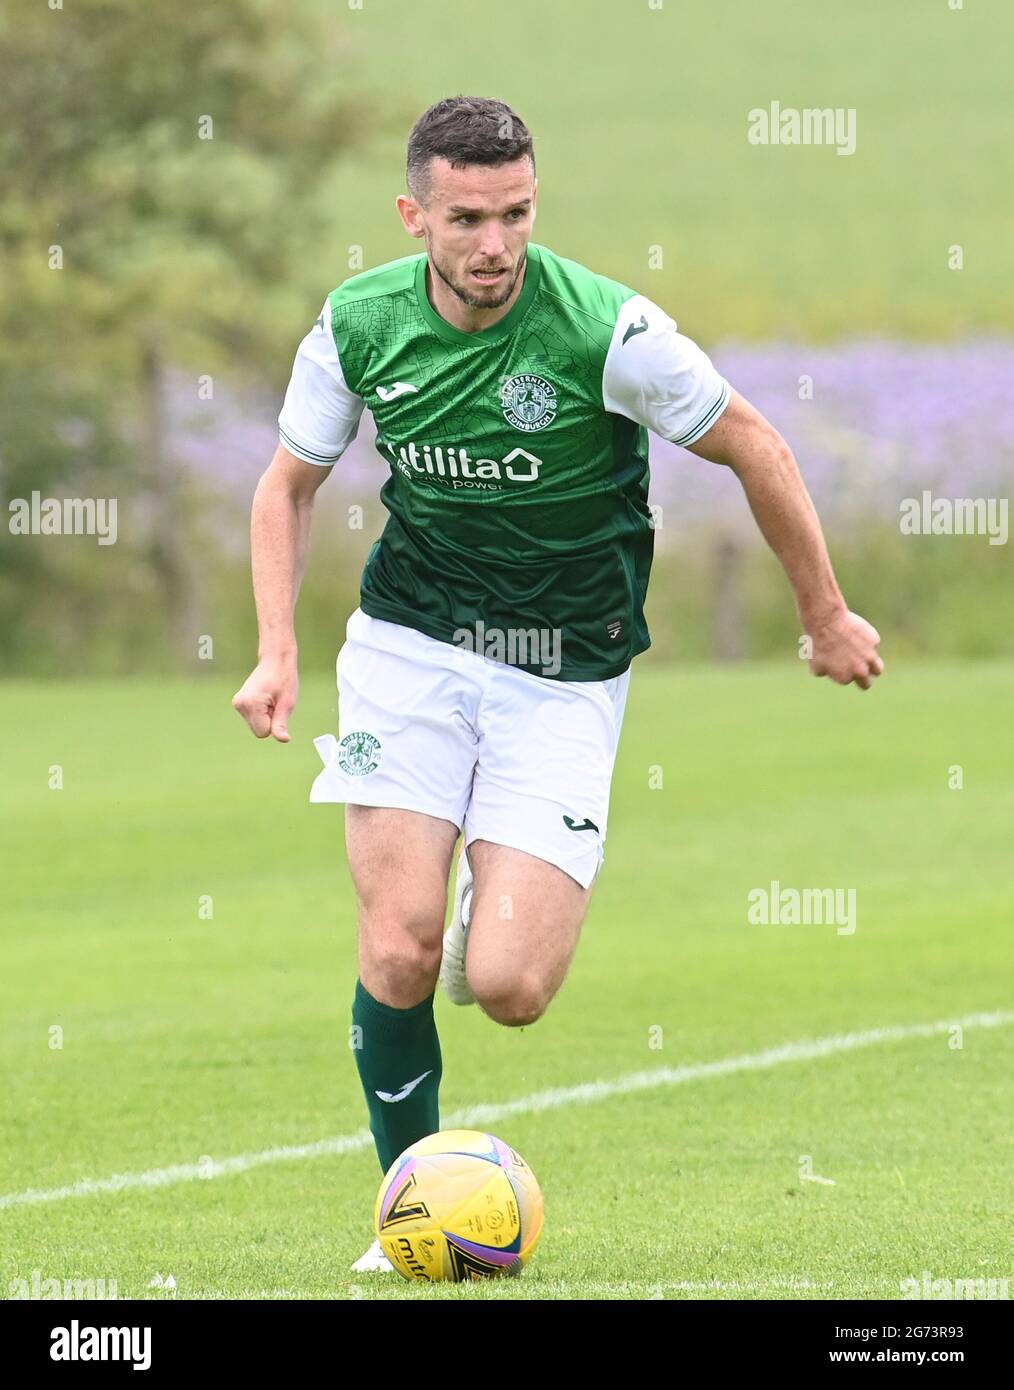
<point x="373" y="1262"/>
<point x="452" y="966"/>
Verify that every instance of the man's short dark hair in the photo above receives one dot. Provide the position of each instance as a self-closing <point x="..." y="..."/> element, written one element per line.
<point x="464" y="130"/>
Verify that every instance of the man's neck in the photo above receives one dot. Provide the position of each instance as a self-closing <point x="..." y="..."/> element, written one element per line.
<point x="461" y="315"/>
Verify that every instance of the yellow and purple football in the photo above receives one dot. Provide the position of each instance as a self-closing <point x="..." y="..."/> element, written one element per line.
<point x="459" y="1205"/>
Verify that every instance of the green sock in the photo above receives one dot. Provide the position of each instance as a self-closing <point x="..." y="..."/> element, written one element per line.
<point x="397" y="1048"/>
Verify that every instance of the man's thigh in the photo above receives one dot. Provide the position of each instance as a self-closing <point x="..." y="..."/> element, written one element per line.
<point x="525" y="924"/>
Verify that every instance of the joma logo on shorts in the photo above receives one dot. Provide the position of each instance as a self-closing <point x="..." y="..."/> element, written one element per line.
<point x="454" y="465"/>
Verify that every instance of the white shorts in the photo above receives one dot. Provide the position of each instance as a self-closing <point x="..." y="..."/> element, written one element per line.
<point x="510" y="757"/>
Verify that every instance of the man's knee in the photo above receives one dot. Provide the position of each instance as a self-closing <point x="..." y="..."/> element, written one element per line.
<point x="515" y="1003"/>
<point x="399" y="953"/>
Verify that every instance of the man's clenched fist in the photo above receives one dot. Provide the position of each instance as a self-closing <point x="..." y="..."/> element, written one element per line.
<point x="845" y="648"/>
<point x="268" y="696"/>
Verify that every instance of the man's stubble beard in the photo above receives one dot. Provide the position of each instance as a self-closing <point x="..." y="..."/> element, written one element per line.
<point x="473" y="301"/>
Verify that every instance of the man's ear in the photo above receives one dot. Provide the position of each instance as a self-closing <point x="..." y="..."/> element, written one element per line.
<point x="409" y="212"/>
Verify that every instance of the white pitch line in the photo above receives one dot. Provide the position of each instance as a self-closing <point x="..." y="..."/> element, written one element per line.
<point x="478" y="1116"/>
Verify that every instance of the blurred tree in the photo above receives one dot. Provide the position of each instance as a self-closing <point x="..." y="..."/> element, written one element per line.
<point x="161" y="168"/>
<point x="727" y="574"/>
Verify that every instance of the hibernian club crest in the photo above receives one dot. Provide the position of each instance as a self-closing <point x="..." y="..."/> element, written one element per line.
<point x="359" y="754"/>
<point x="529" y="402"/>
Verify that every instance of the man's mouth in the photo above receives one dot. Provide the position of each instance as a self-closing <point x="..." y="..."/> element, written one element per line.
<point x="490" y="277"/>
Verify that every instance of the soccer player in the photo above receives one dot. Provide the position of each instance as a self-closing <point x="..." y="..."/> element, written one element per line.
<point x="484" y="674"/>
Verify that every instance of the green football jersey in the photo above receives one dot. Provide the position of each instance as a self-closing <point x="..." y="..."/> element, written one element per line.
<point x="518" y="455"/>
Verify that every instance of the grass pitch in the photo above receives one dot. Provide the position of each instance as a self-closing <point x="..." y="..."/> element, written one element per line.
<point x="186" y="1040"/>
<point x="646" y="173"/>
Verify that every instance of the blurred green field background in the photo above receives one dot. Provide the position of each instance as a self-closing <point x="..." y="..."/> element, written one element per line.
<point x="640" y="119"/>
<point x="192" y="265"/>
<point x="187" y="262"/>
<point x="185" y="1037"/>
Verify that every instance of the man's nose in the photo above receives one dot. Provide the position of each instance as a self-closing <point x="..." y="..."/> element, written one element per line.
<point x="492" y="244"/>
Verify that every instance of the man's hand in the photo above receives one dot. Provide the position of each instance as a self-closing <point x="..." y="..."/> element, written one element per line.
<point x="268" y="697"/>
<point x="844" y="647"/>
<point x="279" y="536"/>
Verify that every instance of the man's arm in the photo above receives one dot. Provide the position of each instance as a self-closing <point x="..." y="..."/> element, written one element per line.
<point x="319" y="420"/>
<point x="279" y="540"/>
<point x="844" y="644"/>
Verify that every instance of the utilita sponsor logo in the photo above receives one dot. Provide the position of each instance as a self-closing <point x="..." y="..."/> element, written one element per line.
<point x="454" y="465"/>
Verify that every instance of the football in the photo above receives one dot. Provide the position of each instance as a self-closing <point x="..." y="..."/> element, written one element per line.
<point x="459" y="1205"/>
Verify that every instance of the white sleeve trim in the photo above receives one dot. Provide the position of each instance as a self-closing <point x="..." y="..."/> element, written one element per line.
<point x="658" y="377"/>
<point x="320" y="416"/>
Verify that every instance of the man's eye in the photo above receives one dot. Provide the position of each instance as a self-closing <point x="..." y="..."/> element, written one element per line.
<point x="518" y="212"/>
<point x="466" y="217"/>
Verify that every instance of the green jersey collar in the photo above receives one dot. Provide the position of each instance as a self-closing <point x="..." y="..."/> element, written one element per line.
<point x="507" y="324"/>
